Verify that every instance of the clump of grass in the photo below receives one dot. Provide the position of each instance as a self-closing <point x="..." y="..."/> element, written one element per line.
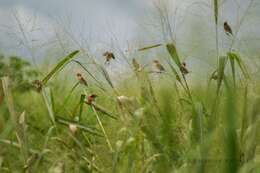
<point x="151" y="122"/>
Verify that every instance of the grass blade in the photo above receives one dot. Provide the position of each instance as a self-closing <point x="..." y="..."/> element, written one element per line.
<point x="240" y="63"/>
<point x="59" y="66"/>
<point x="231" y="142"/>
<point x="9" y="99"/>
<point x="67" y="122"/>
<point x="48" y="102"/>
<point x="149" y="47"/>
<point x="216" y="11"/>
<point x="232" y="63"/>
<point x="106" y="75"/>
<point x="173" y="52"/>
<point x="221" y="72"/>
<point x="22" y="137"/>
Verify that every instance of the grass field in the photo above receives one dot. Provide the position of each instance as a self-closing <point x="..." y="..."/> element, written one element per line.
<point x="155" y="120"/>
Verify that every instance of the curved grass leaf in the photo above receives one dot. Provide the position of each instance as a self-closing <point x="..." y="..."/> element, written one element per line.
<point x="46" y="93"/>
<point x="240" y="63"/>
<point x="221" y="71"/>
<point x="67" y="98"/>
<point x="67" y="122"/>
<point x="149" y="47"/>
<point x="216" y="11"/>
<point x="79" y="107"/>
<point x="107" y="77"/>
<point x="174" y="54"/>
<point x="232" y="63"/>
<point x="59" y="66"/>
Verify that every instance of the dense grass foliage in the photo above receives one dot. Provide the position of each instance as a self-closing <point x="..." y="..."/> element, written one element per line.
<point x="151" y="122"/>
<point x="154" y="120"/>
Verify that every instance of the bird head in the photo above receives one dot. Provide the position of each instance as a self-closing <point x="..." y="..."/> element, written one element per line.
<point x="78" y="74"/>
<point x="156" y="61"/>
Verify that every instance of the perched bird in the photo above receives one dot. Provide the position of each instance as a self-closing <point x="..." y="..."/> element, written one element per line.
<point x="227" y="29"/>
<point x="135" y="64"/>
<point x="158" y="65"/>
<point x="183" y="68"/>
<point x="108" y="55"/>
<point x="81" y="79"/>
<point x="37" y="84"/>
<point x="91" y="98"/>
<point x="214" y="75"/>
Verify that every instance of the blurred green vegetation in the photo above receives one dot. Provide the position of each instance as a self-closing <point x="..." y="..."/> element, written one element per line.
<point x="19" y="71"/>
<point x="163" y="124"/>
<point x="154" y="120"/>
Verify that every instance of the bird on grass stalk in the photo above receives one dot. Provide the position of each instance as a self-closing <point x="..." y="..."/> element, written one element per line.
<point x="158" y="66"/>
<point x="91" y="98"/>
<point x="184" y="69"/>
<point x="81" y="79"/>
<point x="136" y="65"/>
<point x="109" y="56"/>
<point x="227" y="29"/>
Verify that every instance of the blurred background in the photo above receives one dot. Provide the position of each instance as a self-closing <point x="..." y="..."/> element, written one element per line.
<point x="40" y="30"/>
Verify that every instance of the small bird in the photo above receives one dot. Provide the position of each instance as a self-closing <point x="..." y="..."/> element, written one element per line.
<point x="214" y="75"/>
<point x="158" y="65"/>
<point x="135" y="64"/>
<point x="91" y="98"/>
<point x="183" y="68"/>
<point x="108" y="55"/>
<point x="227" y="29"/>
<point x="37" y="84"/>
<point x="81" y="79"/>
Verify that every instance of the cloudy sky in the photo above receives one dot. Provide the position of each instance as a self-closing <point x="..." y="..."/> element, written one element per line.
<point x="28" y="27"/>
<point x="89" y="19"/>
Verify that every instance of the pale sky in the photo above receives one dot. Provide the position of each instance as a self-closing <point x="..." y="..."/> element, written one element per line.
<point x="29" y="27"/>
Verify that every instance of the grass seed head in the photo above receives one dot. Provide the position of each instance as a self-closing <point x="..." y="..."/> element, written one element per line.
<point x="73" y="128"/>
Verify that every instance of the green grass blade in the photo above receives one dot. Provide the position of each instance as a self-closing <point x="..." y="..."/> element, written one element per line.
<point x="9" y="99"/>
<point x="59" y="66"/>
<point x="67" y="122"/>
<point x="221" y="71"/>
<point x="82" y="100"/>
<point x="106" y="75"/>
<point x="67" y="98"/>
<point x="48" y="102"/>
<point x="240" y="63"/>
<point x="79" y="107"/>
<point x="22" y="137"/>
<point x="173" y="52"/>
<point x="231" y="142"/>
<point x="232" y="63"/>
<point x="198" y="123"/>
<point x="149" y="47"/>
<point x="216" y="11"/>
